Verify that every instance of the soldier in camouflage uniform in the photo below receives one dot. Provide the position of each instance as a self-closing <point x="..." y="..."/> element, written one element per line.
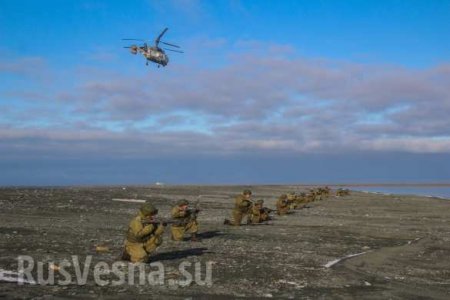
<point x="342" y="192"/>
<point x="265" y="212"/>
<point x="143" y="237"/>
<point x="300" y="201"/>
<point x="242" y="208"/>
<point x="318" y="194"/>
<point x="283" y="205"/>
<point x="291" y="199"/>
<point x="259" y="213"/>
<point x="311" y="196"/>
<point x="325" y="191"/>
<point x="187" y="221"/>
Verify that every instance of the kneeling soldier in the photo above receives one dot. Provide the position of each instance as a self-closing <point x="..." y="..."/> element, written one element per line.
<point x="300" y="201"/>
<point x="342" y="192"/>
<point x="283" y="205"/>
<point x="144" y="235"/>
<point x="291" y="199"/>
<point x="242" y="207"/>
<point x="187" y="221"/>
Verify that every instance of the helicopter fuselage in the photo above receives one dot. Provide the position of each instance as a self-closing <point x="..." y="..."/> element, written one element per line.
<point x="156" y="55"/>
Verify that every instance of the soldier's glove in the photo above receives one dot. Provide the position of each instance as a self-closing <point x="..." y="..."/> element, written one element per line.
<point x="148" y="228"/>
<point x="159" y="230"/>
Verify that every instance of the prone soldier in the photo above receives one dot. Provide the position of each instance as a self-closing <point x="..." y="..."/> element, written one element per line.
<point x="259" y="213"/>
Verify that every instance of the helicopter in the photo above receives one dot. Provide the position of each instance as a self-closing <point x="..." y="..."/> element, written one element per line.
<point x="153" y="53"/>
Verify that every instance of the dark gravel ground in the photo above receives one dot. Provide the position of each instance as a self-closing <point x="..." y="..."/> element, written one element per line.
<point x="406" y="240"/>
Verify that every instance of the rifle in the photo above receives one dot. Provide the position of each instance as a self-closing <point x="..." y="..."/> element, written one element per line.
<point x="287" y="201"/>
<point x="268" y="210"/>
<point x="193" y="212"/>
<point x="163" y="222"/>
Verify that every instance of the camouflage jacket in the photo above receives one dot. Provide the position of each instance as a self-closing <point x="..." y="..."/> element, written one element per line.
<point x="138" y="232"/>
<point x="241" y="204"/>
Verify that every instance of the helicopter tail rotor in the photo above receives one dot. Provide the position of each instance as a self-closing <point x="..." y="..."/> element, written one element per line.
<point x="133" y="49"/>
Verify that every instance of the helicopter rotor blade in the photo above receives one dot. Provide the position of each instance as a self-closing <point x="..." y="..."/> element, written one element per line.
<point x="169" y="44"/>
<point x="178" y="51"/>
<point x="160" y="36"/>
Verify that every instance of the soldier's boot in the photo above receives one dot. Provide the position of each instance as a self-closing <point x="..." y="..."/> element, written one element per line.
<point x="227" y="222"/>
<point x="125" y="256"/>
<point x="195" y="238"/>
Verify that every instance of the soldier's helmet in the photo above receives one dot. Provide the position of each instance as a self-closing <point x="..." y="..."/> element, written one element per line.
<point x="147" y="209"/>
<point x="247" y="192"/>
<point x="283" y="196"/>
<point x="260" y="202"/>
<point x="182" y="202"/>
<point x="291" y="196"/>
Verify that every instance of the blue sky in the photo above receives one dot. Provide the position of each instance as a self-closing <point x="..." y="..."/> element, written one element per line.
<point x="277" y="80"/>
<point x="406" y="32"/>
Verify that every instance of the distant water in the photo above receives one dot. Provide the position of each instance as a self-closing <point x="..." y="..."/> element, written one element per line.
<point x="442" y="192"/>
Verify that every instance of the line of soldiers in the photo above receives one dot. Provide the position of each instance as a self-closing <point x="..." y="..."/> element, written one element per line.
<point x="256" y="213"/>
<point x="145" y="230"/>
